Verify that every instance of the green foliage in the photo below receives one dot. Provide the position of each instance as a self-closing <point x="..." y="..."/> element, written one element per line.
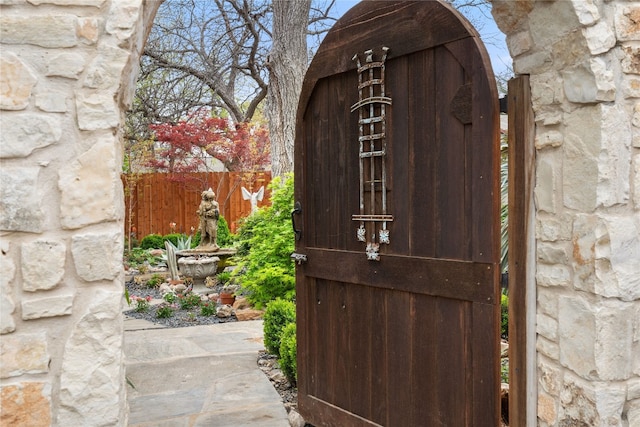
<point x="224" y="277"/>
<point x="278" y="314"/>
<point x="288" y="353"/>
<point x="504" y="312"/>
<point x="170" y="297"/>
<point x="164" y="311"/>
<point x="173" y="238"/>
<point x="154" y="281"/>
<point x="225" y="238"/>
<point x="137" y="257"/>
<point x="208" y="309"/>
<point x="265" y="243"/>
<point x="152" y="241"/>
<point x="189" y="301"/>
<point x="196" y="240"/>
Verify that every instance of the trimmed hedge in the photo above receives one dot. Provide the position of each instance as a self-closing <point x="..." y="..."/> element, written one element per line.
<point x="278" y="314"/>
<point x="288" y="353"/>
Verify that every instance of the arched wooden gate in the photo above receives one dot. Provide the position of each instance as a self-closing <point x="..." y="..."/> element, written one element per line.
<point x="397" y="189"/>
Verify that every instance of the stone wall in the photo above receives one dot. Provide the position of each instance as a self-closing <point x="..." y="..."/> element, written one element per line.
<point x="584" y="60"/>
<point x="67" y="72"/>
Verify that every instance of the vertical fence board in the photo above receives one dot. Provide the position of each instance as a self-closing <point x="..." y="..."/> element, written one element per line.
<point x="158" y="199"/>
<point x="521" y="181"/>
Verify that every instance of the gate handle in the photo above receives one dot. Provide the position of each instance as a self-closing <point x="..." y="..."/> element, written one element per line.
<point x="297" y="209"/>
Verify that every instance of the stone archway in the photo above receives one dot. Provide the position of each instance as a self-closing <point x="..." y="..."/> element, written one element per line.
<point x="67" y="72"/>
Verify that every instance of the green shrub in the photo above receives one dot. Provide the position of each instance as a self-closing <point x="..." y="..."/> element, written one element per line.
<point x="152" y="241"/>
<point x="288" y="353"/>
<point x="504" y="312"/>
<point x="225" y="238"/>
<point x="196" y="240"/>
<point x="137" y="257"/>
<point x="278" y="314"/>
<point x="265" y="243"/>
<point x="154" y="281"/>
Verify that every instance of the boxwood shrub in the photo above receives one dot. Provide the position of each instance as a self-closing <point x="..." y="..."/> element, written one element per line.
<point x="278" y="314"/>
<point x="288" y="353"/>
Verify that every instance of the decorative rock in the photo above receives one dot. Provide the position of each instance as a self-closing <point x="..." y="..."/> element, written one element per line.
<point x="547" y="327"/>
<point x="92" y="385"/>
<point x="7" y="304"/>
<point x="295" y="419"/>
<point x="614" y="332"/>
<point x="553" y="275"/>
<point x="586" y="11"/>
<point x="26" y="404"/>
<point x="104" y="71"/>
<point x="249" y="314"/>
<point x="547" y="411"/>
<point x="23" y="133"/>
<point x="631" y="60"/>
<point x="68" y="65"/>
<point x="20" y="200"/>
<point x="97" y="256"/>
<point x="519" y="43"/>
<point x="122" y="18"/>
<point x="96" y="111"/>
<point x="60" y="30"/>
<point x="52" y="102"/>
<point x="88" y="30"/>
<point x="16" y="82"/>
<point x="224" y="311"/>
<point x="589" y="83"/>
<point x="42" y="265"/>
<point x="50" y="306"/>
<point x="626" y="22"/>
<point x="22" y="354"/>
<point x="549" y="139"/>
<point x="180" y="288"/>
<point x="614" y="161"/>
<point x="551" y="228"/>
<point x="90" y="187"/>
<point x="241" y="303"/>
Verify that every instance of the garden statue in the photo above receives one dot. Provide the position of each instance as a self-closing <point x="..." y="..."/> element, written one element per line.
<point x="209" y="212"/>
<point x="254" y="197"/>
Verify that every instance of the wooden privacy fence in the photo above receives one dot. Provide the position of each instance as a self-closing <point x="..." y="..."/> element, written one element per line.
<point x="154" y="201"/>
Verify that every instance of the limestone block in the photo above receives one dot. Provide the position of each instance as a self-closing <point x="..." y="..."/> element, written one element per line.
<point x="519" y="43"/>
<point x="92" y="388"/>
<point x="547" y="327"/>
<point x="535" y="62"/>
<point x="16" y="82"/>
<point x="614" y="160"/>
<point x="584" y="252"/>
<point x="7" y="304"/>
<point x="549" y="377"/>
<point x="633" y="389"/>
<point x="589" y="82"/>
<point x="614" y="333"/>
<point x="553" y="253"/>
<point x="42" y="264"/>
<point x="627" y="21"/>
<point x="547" y="301"/>
<point x="105" y="71"/>
<point x="636" y="181"/>
<point x="511" y="16"/>
<point x="586" y="11"/>
<point x="546" y="187"/>
<point x="551" y="228"/>
<point x="20" y="200"/>
<point x="553" y="275"/>
<point x="630" y="87"/>
<point x="547" y="348"/>
<point x="123" y="17"/>
<point x="577" y="336"/>
<point x="631" y="59"/>
<point x="551" y="138"/>
<point x="590" y="404"/>
<point x="633" y="413"/>
<point x="90" y="187"/>
<point x="39" y="307"/>
<point x="94" y="3"/>
<point x="23" y="133"/>
<point x="88" y="30"/>
<point x="600" y="38"/>
<point x="67" y="64"/>
<point x="547" y="409"/>
<point x="52" y="101"/>
<point x="636" y="115"/>
<point x="96" y="111"/>
<point x="617" y="251"/>
<point x="22" y="354"/>
<point x="60" y="30"/>
<point x="581" y="150"/>
<point x="546" y="89"/>
<point x="26" y="404"/>
<point x="97" y="256"/>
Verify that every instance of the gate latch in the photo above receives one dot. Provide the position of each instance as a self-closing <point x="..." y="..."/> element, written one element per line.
<point x="298" y="258"/>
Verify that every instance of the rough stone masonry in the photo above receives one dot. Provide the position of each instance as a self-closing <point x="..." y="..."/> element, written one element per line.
<point x="67" y="72"/>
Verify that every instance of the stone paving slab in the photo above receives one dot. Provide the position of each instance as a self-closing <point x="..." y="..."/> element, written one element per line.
<point x="200" y="376"/>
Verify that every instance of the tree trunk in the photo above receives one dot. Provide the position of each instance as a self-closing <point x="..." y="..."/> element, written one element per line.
<point x="287" y="64"/>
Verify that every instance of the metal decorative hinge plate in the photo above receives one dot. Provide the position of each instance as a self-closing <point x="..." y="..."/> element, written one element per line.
<point x="372" y="107"/>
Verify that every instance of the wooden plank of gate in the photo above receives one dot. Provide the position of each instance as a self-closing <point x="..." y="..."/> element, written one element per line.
<point x="521" y="178"/>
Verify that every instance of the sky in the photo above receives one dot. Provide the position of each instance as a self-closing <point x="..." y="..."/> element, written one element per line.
<point x="493" y="38"/>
